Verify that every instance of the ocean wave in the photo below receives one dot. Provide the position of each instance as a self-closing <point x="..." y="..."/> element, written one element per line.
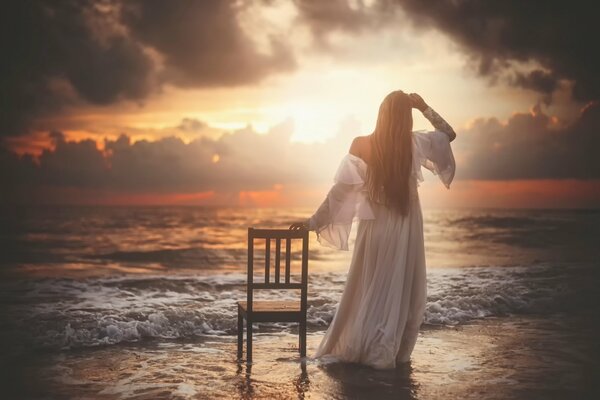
<point x="67" y="313"/>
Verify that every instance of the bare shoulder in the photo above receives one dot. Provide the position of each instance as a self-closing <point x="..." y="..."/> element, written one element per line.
<point x="361" y="146"/>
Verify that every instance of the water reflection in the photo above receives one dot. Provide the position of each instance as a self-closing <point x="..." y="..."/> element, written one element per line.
<point x="351" y="380"/>
<point x="245" y="382"/>
<point x="302" y="382"/>
<point x="523" y="358"/>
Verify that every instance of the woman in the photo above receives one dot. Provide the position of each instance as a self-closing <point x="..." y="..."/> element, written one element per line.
<point x="383" y="303"/>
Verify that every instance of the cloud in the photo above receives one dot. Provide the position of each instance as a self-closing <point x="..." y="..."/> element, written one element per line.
<point x="557" y="36"/>
<point x="323" y="17"/>
<point x="525" y="44"/>
<point x="539" y="81"/>
<point x="528" y="146"/>
<point x="202" y="42"/>
<point x="531" y="146"/>
<point x="238" y="161"/>
<point x="192" y="125"/>
<point x="59" y="55"/>
<point x="52" y="57"/>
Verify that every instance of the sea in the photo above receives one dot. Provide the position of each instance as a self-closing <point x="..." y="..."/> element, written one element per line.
<point x="140" y="302"/>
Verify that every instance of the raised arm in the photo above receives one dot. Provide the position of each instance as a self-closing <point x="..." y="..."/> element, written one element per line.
<point x="439" y="123"/>
<point x="436" y="120"/>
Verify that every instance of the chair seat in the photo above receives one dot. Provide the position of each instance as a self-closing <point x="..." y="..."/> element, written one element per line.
<point x="272" y="311"/>
<point x="271" y="306"/>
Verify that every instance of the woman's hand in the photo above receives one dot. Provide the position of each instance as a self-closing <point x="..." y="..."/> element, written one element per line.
<point x="300" y="225"/>
<point x="418" y="102"/>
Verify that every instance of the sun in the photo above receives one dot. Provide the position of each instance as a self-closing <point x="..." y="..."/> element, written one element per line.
<point x="312" y="121"/>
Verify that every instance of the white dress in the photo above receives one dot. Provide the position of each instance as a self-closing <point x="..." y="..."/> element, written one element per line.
<point x="381" y="309"/>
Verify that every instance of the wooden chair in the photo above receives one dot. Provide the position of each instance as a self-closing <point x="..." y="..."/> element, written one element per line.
<point x="274" y="311"/>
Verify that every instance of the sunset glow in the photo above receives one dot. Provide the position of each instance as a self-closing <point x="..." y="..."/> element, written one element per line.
<point x="289" y="87"/>
<point x="180" y="216"/>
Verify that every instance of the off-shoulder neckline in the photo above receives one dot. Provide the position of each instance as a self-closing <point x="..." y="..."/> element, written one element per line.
<point x="358" y="158"/>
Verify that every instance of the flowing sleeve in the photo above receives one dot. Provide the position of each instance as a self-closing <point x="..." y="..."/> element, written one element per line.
<point x="345" y="200"/>
<point x="432" y="150"/>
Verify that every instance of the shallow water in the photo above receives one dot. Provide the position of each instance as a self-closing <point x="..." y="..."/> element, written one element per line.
<point x="122" y="302"/>
<point x="496" y="358"/>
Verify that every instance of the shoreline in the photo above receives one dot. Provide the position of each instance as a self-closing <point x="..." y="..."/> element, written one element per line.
<point x="525" y="357"/>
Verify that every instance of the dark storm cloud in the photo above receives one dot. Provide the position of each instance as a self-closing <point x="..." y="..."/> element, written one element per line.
<point x="554" y="39"/>
<point x="51" y="57"/>
<point x="202" y="42"/>
<point x="538" y="81"/>
<point x="60" y="54"/>
<point x="560" y="36"/>
<point x="64" y="53"/>
<point x="531" y="146"/>
<point x="325" y="16"/>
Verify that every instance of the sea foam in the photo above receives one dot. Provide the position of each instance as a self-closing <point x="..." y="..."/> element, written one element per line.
<point x="67" y="313"/>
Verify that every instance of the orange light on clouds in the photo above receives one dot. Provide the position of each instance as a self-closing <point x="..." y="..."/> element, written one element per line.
<point x="34" y="143"/>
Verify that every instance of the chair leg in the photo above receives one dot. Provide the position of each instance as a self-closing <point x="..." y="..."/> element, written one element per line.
<point x="302" y="334"/>
<point x="248" y="340"/>
<point x="240" y="333"/>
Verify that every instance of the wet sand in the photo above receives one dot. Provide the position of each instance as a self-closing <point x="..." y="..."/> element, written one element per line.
<point x="495" y="358"/>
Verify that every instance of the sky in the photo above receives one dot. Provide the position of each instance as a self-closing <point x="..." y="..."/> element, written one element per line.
<point x="254" y="103"/>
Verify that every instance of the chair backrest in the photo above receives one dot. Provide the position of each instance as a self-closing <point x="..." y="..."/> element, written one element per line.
<point x="279" y="281"/>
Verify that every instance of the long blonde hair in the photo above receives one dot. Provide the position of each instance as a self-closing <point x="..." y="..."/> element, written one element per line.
<point x="391" y="153"/>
